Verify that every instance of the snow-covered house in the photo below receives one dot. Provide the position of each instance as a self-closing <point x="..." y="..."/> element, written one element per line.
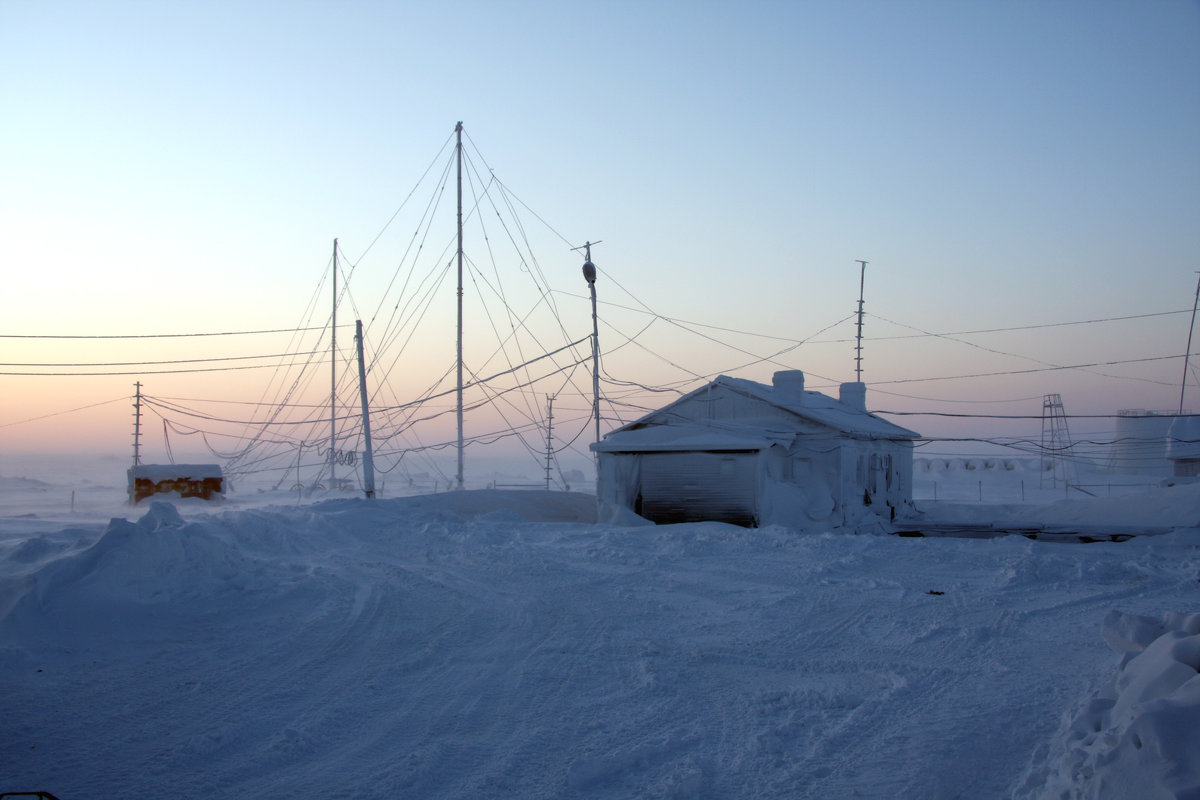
<point x="743" y="452"/>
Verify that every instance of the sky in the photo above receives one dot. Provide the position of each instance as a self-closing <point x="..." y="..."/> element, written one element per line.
<point x="1002" y="166"/>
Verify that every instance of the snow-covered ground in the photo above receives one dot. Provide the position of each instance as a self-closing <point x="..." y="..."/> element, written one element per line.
<point x="501" y="644"/>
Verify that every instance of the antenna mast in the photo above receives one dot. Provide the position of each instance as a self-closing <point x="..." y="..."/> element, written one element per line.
<point x="862" y="280"/>
<point x="458" y="158"/>
<point x="549" y="437"/>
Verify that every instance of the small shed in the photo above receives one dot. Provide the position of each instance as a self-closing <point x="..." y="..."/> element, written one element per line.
<point x="186" y="480"/>
<point x="750" y="454"/>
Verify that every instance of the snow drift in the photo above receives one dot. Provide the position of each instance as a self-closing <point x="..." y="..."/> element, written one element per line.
<point x="501" y="644"/>
<point x="1138" y="736"/>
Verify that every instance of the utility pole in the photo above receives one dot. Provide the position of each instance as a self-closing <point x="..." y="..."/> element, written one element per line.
<point x="589" y="275"/>
<point x="137" y="423"/>
<point x="862" y="280"/>
<point x="137" y="435"/>
<point x="1188" y="352"/>
<point x="458" y="157"/>
<point x="333" y="376"/>
<point x="368" y="458"/>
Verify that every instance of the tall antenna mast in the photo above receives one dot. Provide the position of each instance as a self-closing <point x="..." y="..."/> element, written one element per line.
<point x="333" y="375"/>
<point x="862" y="280"/>
<point x="549" y="437"/>
<point x="458" y="158"/>
<point x="1188" y="352"/>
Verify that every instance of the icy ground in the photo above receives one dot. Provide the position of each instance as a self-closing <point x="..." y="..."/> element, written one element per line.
<point x="495" y="644"/>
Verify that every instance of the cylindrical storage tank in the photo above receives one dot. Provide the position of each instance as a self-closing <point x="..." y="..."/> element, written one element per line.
<point x="1183" y="446"/>
<point x="1140" y="443"/>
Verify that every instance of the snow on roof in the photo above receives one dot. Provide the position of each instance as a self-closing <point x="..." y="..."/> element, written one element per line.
<point x="694" y="436"/>
<point x="167" y="472"/>
<point x="816" y="407"/>
<point x="822" y="409"/>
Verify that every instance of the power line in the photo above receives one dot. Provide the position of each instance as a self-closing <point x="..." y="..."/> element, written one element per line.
<point x="67" y="411"/>
<point x="156" y="363"/>
<point x="920" y="335"/>
<point x="134" y="372"/>
<point x="257" y="403"/>
<point x="154" y="402"/>
<point x="152" y="335"/>
<point x="1028" y="371"/>
<point x="1013" y="416"/>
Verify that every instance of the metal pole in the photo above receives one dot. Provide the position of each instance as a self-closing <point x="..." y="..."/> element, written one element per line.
<point x="368" y="458"/>
<point x="549" y="437"/>
<point x="137" y="422"/>
<point x="1188" y="352"/>
<point x="589" y="274"/>
<point x="862" y="280"/>
<point x="137" y="433"/>
<point x="458" y="156"/>
<point x="333" y="375"/>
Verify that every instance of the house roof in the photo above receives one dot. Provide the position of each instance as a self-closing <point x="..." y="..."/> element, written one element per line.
<point x="711" y="436"/>
<point x="167" y="472"/>
<point x="823" y="409"/>
<point x="655" y="431"/>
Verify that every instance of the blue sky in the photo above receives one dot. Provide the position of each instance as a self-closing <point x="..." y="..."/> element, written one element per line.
<point x="184" y="166"/>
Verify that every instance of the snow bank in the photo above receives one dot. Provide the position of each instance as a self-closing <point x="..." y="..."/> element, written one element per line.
<point x="1160" y="506"/>
<point x="1139" y="735"/>
<point x="528" y="505"/>
<point x="132" y="580"/>
<point x="499" y="644"/>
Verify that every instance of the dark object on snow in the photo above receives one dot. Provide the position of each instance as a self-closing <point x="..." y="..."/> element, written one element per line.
<point x="934" y="591"/>
<point x="188" y="480"/>
<point x="29" y="795"/>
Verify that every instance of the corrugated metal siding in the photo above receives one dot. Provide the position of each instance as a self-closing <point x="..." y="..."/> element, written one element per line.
<point x="698" y="486"/>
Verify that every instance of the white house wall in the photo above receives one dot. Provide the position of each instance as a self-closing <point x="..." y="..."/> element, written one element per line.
<point x="878" y="470"/>
<point x="799" y="487"/>
<point x="619" y="479"/>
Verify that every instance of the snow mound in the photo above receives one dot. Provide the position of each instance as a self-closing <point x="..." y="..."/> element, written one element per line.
<point x="134" y="572"/>
<point x="1138" y="736"/>
<point x="23" y="485"/>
